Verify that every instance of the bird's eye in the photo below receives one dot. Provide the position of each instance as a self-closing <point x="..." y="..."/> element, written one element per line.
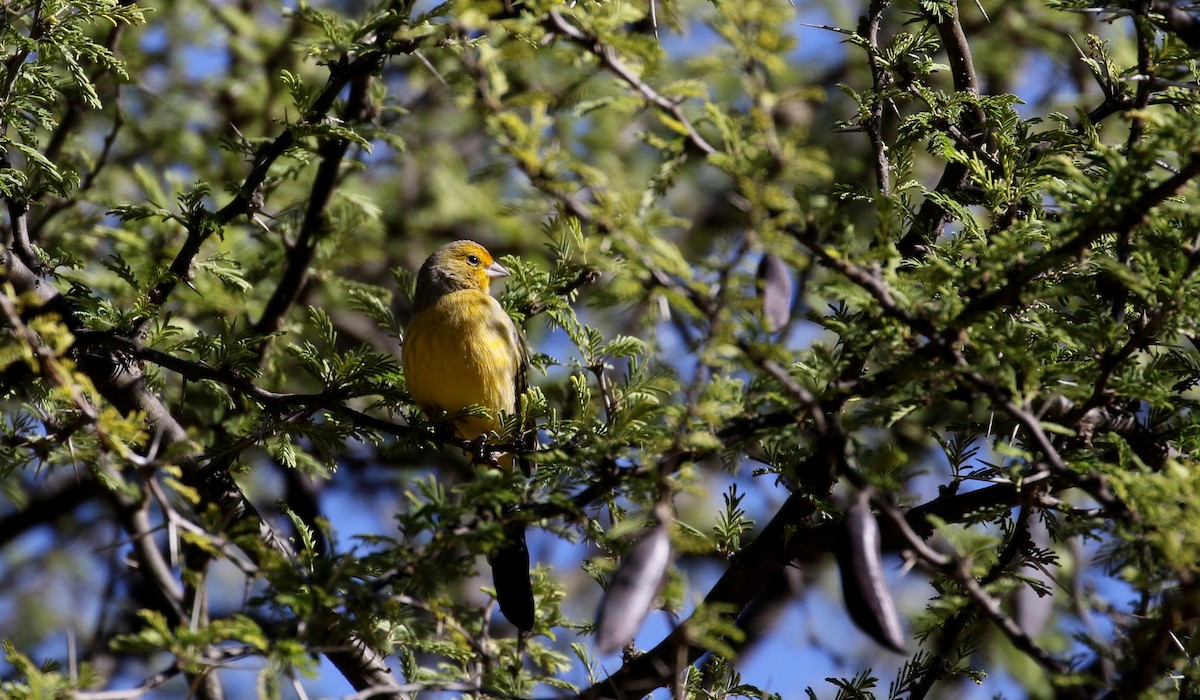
<point x="473" y="260"/>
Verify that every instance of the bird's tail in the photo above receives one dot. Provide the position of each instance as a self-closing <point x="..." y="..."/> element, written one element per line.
<point x="510" y="575"/>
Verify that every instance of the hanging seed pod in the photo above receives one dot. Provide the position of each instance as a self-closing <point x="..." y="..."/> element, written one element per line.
<point x="632" y="589"/>
<point x="775" y="289"/>
<point x="864" y="586"/>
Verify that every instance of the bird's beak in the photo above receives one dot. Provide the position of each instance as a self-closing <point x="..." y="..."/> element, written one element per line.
<point x="496" y="270"/>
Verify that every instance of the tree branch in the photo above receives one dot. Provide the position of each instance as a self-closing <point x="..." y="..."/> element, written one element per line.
<point x="1095" y="225"/>
<point x="249" y="196"/>
<point x="123" y="386"/>
<point x="868" y="29"/>
<point x="315" y="224"/>
<point x="558" y="24"/>
<point x="787" y="539"/>
<point x="932" y="216"/>
<point x="1178" y="21"/>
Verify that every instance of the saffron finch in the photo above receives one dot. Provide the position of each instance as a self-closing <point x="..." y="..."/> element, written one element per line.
<point x="462" y="350"/>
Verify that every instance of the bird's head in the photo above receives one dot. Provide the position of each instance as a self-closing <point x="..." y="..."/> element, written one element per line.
<point x="455" y="267"/>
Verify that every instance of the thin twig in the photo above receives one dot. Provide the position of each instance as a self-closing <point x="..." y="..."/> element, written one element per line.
<point x="609" y="59"/>
<point x="315" y="225"/>
<point x="1017" y="636"/>
<point x="869" y="30"/>
<point x="932" y="216"/>
<point x="249" y="193"/>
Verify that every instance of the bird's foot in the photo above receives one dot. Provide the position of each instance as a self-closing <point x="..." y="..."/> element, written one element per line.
<point x="483" y="453"/>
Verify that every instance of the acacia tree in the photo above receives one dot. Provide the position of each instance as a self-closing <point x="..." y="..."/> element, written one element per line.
<point x="913" y="278"/>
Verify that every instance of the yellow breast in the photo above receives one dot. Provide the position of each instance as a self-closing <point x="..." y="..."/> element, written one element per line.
<point x="463" y="351"/>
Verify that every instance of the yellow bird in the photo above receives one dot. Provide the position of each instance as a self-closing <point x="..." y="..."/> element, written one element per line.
<point x="462" y="350"/>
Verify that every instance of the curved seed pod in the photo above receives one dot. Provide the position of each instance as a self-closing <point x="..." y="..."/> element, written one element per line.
<point x="632" y="590"/>
<point x="775" y="289"/>
<point x="864" y="587"/>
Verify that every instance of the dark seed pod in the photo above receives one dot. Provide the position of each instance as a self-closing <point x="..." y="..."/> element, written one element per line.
<point x="864" y="587"/>
<point x="632" y="590"/>
<point x="775" y="290"/>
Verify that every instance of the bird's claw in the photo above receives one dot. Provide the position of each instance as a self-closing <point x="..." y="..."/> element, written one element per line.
<point x="481" y="452"/>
